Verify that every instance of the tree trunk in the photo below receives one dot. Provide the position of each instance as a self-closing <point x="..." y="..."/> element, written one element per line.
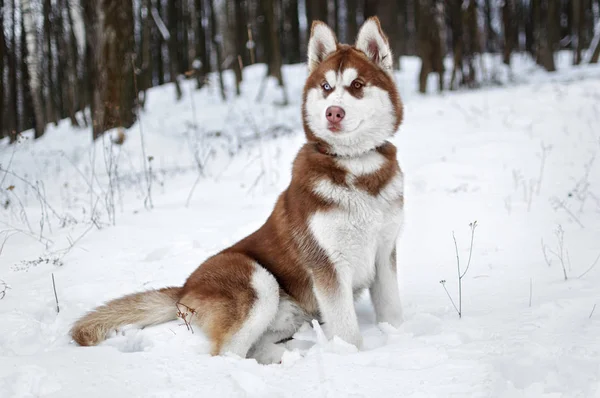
<point x="388" y="15"/>
<point x="202" y="50"/>
<point x="2" y="56"/>
<point x="66" y="70"/>
<point x="217" y="42"/>
<point x="239" y="33"/>
<point x="145" y="74"/>
<point x="94" y="63"/>
<point x="50" y="97"/>
<point x="543" y="50"/>
<point x="351" y="22"/>
<point x="11" y="113"/>
<point x="27" y="117"/>
<point x="315" y="10"/>
<point x="456" y="28"/>
<point x="577" y="29"/>
<point x="272" y="41"/>
<point x="118" y="98"/>
<point x="292" y="45"/>
<point x="173" y="64"/>
<point x="158" y="49"/>
<point x="510" y="30"/>
<point x="595" y="46"/>
<point x="33" y="66"/>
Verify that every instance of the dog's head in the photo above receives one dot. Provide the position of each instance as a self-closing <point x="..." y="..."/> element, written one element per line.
<point x="351" y="104"/>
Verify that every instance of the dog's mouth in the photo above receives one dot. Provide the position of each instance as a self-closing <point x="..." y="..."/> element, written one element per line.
<point x="337" y="128"/>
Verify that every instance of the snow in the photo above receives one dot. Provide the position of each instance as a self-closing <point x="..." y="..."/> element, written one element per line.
<point x="522" y="159"/>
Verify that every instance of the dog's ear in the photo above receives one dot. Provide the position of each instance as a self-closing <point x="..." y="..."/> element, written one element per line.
<point x="372" y="41"/>
<point x="322" y="43"/>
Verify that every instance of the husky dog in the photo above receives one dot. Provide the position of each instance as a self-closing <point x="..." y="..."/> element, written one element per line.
<point x="332" y="232"/>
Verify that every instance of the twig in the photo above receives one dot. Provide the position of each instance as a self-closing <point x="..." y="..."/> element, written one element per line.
<point x="148" y="200"/>
<point x="443" y="283"/>
<point x="55" y="295"/>
<point x="459" y="277"/>
<point x="592" y="313"/>
<point x="184" y="315"/>
<point x="5" y="287"/>
<point x="590" y="268"/>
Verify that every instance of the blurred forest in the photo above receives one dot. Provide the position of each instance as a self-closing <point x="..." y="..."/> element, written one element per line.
<point x="59" y="57"/>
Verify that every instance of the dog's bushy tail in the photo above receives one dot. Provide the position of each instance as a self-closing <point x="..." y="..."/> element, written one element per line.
<point x="140" y="309"/>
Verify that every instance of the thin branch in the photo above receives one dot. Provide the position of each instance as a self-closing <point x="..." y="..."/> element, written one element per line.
<point x="443" y="283"/>
<point x="472" y="225"/>
<point x="590" y="268"/>
<point x="55" y="295"/>
<point x="592" y="313"/>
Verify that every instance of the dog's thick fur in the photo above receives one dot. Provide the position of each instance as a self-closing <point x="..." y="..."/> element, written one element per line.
<point x="332" y="232"/>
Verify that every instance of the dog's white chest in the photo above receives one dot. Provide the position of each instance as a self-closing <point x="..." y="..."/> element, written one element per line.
<point x="360" y="228"/>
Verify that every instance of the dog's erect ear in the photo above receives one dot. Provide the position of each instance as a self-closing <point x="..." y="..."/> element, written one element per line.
<point x="322" y="43"/>
<point x="372" y="41"/>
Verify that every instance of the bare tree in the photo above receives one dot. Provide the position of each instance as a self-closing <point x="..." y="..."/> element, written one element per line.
<point x="217" y="41"/>
<point x="50" y="83"/>
<point x="351" y="22"/>
<point x="543" y="49"/>
<point x="2" y="56"/>
<point x="173" y="61"/>
<point x="431" y="41"/>
<point x="118" y="48"/>
<point x="510" y="29"/>
<point x="33" y="66"/>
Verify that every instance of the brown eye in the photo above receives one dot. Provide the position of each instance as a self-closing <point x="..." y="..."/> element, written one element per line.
<point x="356" y="84"/>
<point x="326" y="86"/>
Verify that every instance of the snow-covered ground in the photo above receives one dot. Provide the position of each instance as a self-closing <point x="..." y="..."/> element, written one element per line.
<point x="522" y="159"/>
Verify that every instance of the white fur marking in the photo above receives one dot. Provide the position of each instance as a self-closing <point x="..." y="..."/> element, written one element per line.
<point x="330" y="76"/>
<point x="348" y="76"/>
<point x="366" y="163"/>
<point x="261" y="314"/>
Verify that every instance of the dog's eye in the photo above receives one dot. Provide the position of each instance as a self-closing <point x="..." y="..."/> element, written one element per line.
<point x="356" y="84"/>
<point x="326" y="86"/>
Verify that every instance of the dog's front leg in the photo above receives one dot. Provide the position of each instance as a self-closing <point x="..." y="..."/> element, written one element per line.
<point x="384" y="290"/>
<point x="333" y="289"/>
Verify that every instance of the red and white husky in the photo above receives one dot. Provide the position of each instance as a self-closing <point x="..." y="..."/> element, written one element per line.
<point x="332" y="232"/>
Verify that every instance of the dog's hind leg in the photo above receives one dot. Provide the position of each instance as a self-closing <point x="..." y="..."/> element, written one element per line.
<point x="233" y="299"/>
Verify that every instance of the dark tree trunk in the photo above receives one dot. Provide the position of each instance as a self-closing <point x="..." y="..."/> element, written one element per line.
<point x="370" y="9"/>
<point x="12" y="113"/>
<point x="67" y="71"/>
<point x="351" y="22"/>
<point x="94" y="64"/>
<point x="388" y="15"/>
<point x="293" y="47"/>
<point x="202" y="50"/>
<point x="173" y="46"/>
<point x="239" y="33"/>
<point x="543" y="50"/>
<point x="510" y="30"/>
<point x="577" y="14"/>
<point x="27" y="117"/>
<point x="430" y="39"/>
<point x="217" y="43"/>
<point x="145" y="70"/>
<point x="2" y="56"/>
<point x="33" y="64"/>
<point x="315" y="10"/>
<point x="118" y="48"/>
<point x="456" y="28"/>
<point x="158" y="47"/>
<point x="272" y="44"/>
<point x="51" y="103"/>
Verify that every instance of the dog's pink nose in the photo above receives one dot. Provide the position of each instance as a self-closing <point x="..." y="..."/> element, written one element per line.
<point x="335" y="114"/>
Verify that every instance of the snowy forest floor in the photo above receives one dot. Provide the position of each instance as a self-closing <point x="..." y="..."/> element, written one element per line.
<point x="523" y="159"/>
